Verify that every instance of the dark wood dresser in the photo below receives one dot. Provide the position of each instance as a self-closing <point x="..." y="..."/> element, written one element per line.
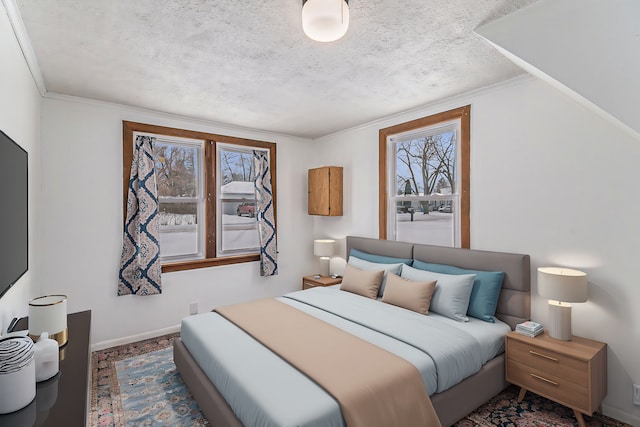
<point x="61" y="400"/>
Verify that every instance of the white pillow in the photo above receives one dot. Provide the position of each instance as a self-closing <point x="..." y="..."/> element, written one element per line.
<point x="452" y="294"/>
<point x="366" y="265"/>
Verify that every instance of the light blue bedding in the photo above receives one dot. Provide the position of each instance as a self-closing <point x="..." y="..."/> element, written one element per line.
<point x="263" y="390"/>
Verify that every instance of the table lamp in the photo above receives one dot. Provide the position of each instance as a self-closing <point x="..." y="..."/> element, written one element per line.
<point x="561" y="286"/>
<point x="49" y="314"/>
<point x="324" y="249"/>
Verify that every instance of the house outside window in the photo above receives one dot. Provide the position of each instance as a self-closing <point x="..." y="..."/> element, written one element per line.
<point x="207" y="203"/>
<point x="424" y="182"/>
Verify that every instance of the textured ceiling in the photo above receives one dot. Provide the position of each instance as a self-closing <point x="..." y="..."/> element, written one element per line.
<point x="248" y="62"/>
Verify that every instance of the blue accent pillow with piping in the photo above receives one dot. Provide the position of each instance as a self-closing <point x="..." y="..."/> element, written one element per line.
<point x="486" y="288"/>
<point x="380" y="259"/>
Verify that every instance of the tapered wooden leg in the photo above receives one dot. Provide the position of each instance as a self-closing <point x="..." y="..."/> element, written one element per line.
<point x="579" y="418"/>
<point x="523" y="391"/>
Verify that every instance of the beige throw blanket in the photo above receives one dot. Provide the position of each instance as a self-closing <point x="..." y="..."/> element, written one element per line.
<point x="372" y="386"/>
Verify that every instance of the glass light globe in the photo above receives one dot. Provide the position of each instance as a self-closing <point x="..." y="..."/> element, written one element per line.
<point x="325" y="20"/>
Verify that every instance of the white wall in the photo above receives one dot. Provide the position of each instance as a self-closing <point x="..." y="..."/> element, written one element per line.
<point x="548" y="178"/>
<point x="20" y="119"/>
<point x="82" y="224"/>
<point x="588" y="48"/>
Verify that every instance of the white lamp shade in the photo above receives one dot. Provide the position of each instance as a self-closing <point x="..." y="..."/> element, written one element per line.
<point x="562" y="284"/>
<point x="323" y="248"/>
<point x="325" y="20"/>
<point x="49" y="314"/>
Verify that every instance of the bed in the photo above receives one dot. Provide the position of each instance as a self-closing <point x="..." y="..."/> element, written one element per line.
<point x="451" y="404"/>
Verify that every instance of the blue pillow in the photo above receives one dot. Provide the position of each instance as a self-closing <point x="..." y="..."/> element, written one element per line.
<point x="380" y="259"/>
<point x="486" y="288"/>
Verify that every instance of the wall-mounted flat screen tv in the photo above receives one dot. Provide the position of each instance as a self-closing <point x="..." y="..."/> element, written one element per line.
<point x="14" y="218"/>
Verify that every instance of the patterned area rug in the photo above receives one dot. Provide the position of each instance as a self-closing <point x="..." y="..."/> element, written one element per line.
<point x="138" y="385"/>
<point x="534" y="411"/>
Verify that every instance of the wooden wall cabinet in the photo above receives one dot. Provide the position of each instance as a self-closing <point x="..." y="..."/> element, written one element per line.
<point x="325" y="191"/>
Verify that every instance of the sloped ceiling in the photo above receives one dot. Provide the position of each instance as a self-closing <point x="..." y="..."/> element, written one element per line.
<point x="248" y="62"/>
<point x="590" y="49"/>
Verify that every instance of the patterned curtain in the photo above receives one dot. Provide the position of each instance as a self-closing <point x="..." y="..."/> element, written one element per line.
<point x="140" y="261"/>
<point x="265" y="216"/>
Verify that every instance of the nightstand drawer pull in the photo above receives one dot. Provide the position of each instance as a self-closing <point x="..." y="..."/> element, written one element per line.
<point x="535" y="353"/>
<point x="544" y="379"/>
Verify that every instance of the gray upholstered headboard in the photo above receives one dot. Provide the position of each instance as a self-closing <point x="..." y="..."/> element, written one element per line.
<point x="514" y="304"/>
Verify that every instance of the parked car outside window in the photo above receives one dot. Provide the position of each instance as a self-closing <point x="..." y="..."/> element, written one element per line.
<point x="246" y="209"/>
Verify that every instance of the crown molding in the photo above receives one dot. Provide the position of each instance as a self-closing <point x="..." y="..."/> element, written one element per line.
<point x="441" y="104"/>
<point x="25" y="44"/>
<point x="237" y="130"/>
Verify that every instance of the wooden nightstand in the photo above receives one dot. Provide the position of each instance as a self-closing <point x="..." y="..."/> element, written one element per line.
<point x="572" y="373"/>
<point x="312" y="282"/>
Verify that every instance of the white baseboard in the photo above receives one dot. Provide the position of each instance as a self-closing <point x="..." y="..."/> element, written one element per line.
<point x="133" y="338"/>
<point x="620" y="415"/>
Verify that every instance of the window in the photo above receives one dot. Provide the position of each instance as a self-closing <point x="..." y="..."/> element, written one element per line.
<point x="424" y="180"/>
<point x="180" y="177"/>
<point x="238" y="230"/>
<point x="206" y="194"/>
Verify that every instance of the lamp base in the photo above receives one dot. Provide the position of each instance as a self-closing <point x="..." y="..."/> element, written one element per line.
<point x="61" y="337"/>
<point x="559" y="326"/>
<point x="324" y="265"/>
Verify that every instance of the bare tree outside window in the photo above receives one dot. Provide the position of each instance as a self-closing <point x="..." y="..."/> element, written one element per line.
<point x="175" y="170"/>
<point x="426" y="166"/>
<point x="237" y="166"/>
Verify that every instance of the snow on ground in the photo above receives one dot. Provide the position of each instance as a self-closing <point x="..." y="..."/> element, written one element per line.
<point x="238" y="233"/>
<point x="433" y="229"/>
<point x="241" y="233"/>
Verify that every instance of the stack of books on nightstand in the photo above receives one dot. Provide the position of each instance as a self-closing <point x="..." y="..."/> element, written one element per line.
<point x="529" y="328"/>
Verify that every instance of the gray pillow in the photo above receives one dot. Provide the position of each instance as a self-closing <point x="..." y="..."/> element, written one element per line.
<point x="366" y="265"/>
<point x="452" y="294"/>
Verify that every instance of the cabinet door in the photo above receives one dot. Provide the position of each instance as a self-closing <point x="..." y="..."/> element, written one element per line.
<point x="325" y="191"/>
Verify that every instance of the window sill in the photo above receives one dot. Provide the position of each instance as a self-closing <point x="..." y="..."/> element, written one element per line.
<point x="209" y="262"/>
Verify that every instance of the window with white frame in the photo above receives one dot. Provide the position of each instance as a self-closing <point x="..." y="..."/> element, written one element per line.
<point x="206" y="190"/>
<point x="180" y="177"/>
<point x="424" y="190"/>
<point x="238" y="228"/>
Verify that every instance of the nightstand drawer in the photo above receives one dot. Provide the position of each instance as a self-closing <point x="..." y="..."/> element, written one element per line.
<point x="556" y="388"/>
<point x="315" y="281"/>
<point x="552" y="363"/>
<point x="306" y="284"/>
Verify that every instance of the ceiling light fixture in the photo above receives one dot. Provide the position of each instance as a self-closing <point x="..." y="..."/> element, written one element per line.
<point x="325" y="20"/>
